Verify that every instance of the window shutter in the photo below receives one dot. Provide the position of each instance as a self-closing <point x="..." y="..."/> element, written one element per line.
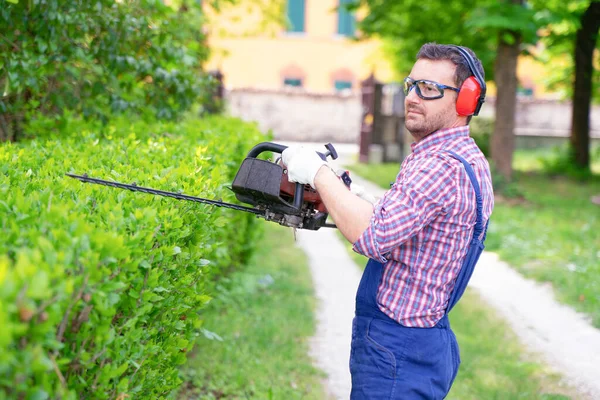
<point x="342" y="85"/>
<point x="295" y="14"/>
<point x="346" y="21"/>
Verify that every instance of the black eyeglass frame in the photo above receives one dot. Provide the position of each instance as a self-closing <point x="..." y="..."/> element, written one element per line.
<point x="414" y="84"/>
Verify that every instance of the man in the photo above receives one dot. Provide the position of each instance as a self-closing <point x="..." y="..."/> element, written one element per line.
<point x="423" y="237"/>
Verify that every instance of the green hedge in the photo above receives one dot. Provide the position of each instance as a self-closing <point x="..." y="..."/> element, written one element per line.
<point x="99" y="287"/>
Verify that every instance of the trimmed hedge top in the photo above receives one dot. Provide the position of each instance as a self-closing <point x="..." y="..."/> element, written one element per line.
<point x="99" y="287"/>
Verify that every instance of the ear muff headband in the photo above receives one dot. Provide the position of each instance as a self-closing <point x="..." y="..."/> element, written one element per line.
<point x="472" y="92"/>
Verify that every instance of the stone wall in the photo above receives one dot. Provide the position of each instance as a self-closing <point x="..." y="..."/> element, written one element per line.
<point x="545" y="118"/>
<point x="296" y="115"/>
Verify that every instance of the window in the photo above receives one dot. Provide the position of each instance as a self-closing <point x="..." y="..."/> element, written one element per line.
<point x="524" y="91"/>
<point x="342" y="85"/>
<point x="342" y="79"/>
<point x="292" y="76"/>
<point x="294" y="82"/>
<point x="346" y="20"/>
<point x="296" y="15"/>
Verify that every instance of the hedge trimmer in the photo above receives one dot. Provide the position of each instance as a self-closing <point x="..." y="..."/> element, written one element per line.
<point x="262" y="184"/>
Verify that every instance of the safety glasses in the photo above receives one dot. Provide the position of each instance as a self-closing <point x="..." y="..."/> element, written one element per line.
<point x="427" y="90"/>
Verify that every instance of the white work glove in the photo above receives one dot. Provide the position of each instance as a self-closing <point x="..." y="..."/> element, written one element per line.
<point x="302" y="164"/>
<point x="362" y="193"/>
<point x="358" y="190"/>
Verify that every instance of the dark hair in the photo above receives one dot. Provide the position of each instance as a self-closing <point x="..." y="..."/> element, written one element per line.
<point x="434" y="51"/>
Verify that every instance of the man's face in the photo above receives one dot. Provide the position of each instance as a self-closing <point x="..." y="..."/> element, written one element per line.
<point x="426" y="116"/>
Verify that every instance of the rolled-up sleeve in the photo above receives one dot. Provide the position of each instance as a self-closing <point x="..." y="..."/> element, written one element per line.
<point x="415" y="199"/>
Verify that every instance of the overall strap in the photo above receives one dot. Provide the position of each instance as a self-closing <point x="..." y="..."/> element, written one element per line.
<point x="471" y="173"/>
<point x="475" y="246"/>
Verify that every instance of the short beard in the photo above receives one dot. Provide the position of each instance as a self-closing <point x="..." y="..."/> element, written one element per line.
<point x="417" y="133"/>
<point x="428" y="125"/>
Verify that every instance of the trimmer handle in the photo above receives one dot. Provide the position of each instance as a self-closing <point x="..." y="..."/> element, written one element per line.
<point x="266" y="146"/>
<point x="279" y="148"/>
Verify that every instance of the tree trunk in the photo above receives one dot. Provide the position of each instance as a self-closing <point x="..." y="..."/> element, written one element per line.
<point x="502" y="143"/>
<point x="4" y="132"/>
<point x="585" y="43"/>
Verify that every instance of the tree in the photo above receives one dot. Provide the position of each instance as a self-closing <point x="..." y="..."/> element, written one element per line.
<point x="570" y="38"/>
<point x="99" y="58"/>
<point x="585" y="45"/>
<point x="406" y="25"/>
<point x="510" y="37"/>
<point x="496" y="30"/>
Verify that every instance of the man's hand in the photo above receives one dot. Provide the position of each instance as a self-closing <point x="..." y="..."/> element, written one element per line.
<point x="302" y="164"/>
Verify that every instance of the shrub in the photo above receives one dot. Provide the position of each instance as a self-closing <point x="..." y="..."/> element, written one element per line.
<point x="100" y="288"/>
<point x="100" y="58"/>
<point x="561" y="162"/>
<point x="481" y="132"/>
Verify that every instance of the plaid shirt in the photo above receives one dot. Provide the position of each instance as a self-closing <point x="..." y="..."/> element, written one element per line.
<point x="422" y="226"/>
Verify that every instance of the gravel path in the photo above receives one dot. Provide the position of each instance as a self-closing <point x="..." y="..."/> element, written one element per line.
<point x="336" y="279"/>
<point x="562" y="338"/>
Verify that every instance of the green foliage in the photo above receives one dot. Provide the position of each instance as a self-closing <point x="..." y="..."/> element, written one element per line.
<point x="562" y="20"/>
<point x="502" y="186"/>
<point x="100" y="288"/>
<point x="272" y="17"/>
<point x="481" y="131"/>
<point x="500" y="16"/>
<point x="406" y="25"/>
<point x="99" y="58"/>
<point x="561" y="162"/>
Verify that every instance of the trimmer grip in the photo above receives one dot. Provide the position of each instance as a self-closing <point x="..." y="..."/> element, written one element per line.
<point x="266" y="146"/>
<point x="279" y="148"/>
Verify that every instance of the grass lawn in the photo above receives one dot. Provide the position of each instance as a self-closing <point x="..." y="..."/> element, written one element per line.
<point x="533" y="160"/>
<point x="552" y="234"/>
<point x="256" y="331"/>
<point x="494" y="364"/>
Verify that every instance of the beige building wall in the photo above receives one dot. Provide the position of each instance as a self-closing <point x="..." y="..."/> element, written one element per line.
<point x="251" y="54"/>
<point x="251" y="47"/>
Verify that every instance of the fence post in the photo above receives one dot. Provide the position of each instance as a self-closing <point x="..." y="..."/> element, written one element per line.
<point x="217" y="98"/>
<point x="367" y="117"/>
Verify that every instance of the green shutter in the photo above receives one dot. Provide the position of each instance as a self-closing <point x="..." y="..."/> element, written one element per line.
<point x="346" y="21"/>
<point x="292" y="82"/>
<point x="295" y="15"/>
<point x="341" y="85"/>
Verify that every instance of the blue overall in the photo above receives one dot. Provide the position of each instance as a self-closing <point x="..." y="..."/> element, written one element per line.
<point x="391" y="361"/>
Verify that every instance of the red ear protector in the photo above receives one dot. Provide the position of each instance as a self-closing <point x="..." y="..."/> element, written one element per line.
<point x="472" y="92"/>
